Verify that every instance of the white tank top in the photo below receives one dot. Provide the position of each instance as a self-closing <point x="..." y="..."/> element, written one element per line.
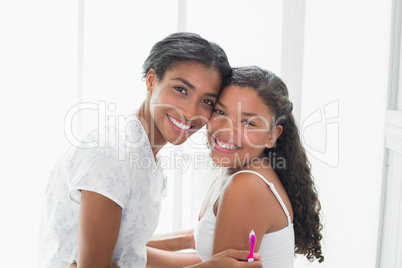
<point x="277" y="248"/>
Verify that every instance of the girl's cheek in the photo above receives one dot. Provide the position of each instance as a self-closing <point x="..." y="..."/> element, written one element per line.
<point x="251" y="139"/>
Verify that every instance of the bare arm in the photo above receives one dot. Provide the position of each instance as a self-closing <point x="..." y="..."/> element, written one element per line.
<point x="231" y="222"/>
<point x="173" y="241"/>
<point x="168" y="259"/>
<point x="74" y="265"/>
<point x="240" y="209"/>
<point x="99" y="227"/>
<point x="230" y="258"/>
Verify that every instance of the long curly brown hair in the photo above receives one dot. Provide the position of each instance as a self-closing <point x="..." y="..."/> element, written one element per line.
<point x="294" y="171"/>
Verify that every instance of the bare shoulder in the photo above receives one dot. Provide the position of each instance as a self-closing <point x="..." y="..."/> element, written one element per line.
<point x="246" y="181"/>
<point x="263" y="169"/>
<point x="246" y="188"/>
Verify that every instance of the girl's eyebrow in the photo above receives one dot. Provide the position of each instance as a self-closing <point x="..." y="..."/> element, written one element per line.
<point x="250" y="114"/>
<point x="243" y="113"/>
<point x="220" y="104"/>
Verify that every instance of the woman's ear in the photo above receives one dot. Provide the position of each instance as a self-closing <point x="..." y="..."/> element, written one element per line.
<point x="274" y="136"/>
<point x="150" y="80"/>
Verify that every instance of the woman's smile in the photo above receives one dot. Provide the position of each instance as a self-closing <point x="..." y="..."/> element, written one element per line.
<point x="181" y="102"/>
<point x="178" y="125"/>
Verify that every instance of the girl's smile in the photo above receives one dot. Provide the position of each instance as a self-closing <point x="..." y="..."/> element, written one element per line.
<point x="240" y="127"/>
<point x="223" y="146"/>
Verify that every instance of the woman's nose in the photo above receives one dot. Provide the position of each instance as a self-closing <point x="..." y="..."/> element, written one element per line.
<point x="191" y="112"/>
<point x="196" y="113"/>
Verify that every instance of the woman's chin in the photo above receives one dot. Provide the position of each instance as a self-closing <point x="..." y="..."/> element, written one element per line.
<point x="177" y="140"/>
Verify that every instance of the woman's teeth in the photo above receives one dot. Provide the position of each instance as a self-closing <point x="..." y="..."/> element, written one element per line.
<point x="226" y="145"/>
<point x="178" y="124"/>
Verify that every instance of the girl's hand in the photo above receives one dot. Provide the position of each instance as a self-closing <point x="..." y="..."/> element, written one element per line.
<point x="231" y="258"/>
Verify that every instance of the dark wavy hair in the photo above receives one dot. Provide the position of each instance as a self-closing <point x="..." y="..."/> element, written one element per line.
<point x="185" y="46"/>
<point x="295" y="176"/>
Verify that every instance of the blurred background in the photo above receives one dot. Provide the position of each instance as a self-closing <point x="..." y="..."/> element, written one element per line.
<point x="66" y="65"/>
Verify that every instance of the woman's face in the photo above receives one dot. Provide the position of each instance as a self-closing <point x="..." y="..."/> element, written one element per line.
<point x="182" y="101"/>
<point x="240" y="127"/>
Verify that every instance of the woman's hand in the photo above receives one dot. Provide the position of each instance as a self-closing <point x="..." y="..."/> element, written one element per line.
<point x="234" y="258"/>
<point x="231" y="258"/>
<point x="74" y="265"/>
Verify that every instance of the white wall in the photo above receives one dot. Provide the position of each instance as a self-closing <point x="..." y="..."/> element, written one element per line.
<point x="37" y="85"/>
<point x="346" y="69"/>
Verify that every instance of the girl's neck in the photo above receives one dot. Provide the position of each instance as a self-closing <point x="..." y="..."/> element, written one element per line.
<point x="155" y="137"/>
<point x="256" y="163"/>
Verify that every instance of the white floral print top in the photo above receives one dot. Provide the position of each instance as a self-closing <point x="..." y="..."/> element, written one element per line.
<point x="120" y="166"/>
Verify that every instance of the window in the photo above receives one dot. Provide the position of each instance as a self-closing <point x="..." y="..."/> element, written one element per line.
<point x="390" y="237"/>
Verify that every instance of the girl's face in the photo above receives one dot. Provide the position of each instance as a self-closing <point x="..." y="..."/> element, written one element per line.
<point x="182" y="101"/>
<point x="240" y="127"/>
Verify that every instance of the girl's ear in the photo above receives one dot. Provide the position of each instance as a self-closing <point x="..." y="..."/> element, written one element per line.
<point x="274" y="136"/>
<point x="150" y="80"/>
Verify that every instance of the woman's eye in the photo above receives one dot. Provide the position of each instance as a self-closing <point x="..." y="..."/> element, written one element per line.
<point x="182" y="90"/>
<point x="248" y="123"/>
<point x="209" y="102"/>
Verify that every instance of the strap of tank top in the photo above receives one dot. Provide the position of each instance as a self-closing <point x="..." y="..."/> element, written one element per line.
<point x="220" y="193"/>
<point x="272" y="187"/>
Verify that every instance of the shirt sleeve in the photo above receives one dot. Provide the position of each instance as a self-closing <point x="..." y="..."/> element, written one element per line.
<point x="101" y="171"/>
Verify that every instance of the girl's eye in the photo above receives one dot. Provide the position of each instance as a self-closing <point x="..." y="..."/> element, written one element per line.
<point x="208" y="102"/>
<point x="182" y="90"/>
<point x="248" y="123"/>
<point x="219" y="112"/>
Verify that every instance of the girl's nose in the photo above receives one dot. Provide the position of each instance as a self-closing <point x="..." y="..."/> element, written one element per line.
<point x="225" y="126"/>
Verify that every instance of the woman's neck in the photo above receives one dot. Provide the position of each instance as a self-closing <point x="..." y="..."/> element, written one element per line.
<point x="155" y="137"/>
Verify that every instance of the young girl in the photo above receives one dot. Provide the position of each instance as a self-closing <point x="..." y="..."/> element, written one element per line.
<point x="252" y="134"/>
<point x="102" y="200"/>
<point x="270" y="190"/>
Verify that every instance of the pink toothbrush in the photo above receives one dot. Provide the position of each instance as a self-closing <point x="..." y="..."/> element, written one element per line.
<point x="252" y="241"/>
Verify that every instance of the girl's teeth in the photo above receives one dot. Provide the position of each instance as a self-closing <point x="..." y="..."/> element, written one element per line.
<point x="178" y="124"/>
<point x="226" y="146"/>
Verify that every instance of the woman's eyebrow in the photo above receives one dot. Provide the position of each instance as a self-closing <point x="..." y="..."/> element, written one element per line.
<point x="212" y="95"/>
<point x="191" y="86"/>
<point x="184" y="81"/>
